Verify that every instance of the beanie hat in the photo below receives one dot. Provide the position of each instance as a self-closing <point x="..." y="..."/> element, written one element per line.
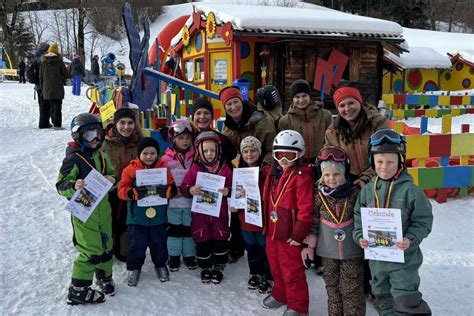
<point x="229" y="93"/>
<point x="331" y="163"/>
<point x="251" y="141"/>
<point x="300" y="86"/>
<point x="148" y="142"/>
<point x="53" y="48"/>
<point x="202" y="103"/>
<point x="124" y="112"/>
<point x="344" y="93"/>
<point x="43" y="46"/>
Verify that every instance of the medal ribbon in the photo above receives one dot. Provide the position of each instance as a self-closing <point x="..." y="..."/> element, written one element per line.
<point x="90" y="165"/>
<point x="326" y="205"/>
<point x="387" y="196"/>
<point x="274" y="204"/>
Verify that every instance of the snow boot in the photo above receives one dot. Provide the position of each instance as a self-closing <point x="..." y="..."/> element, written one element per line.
<point x="190" y="263"/>
<point x="206" y="276"/>
<point x="217" y="275"/>
<point x="107" y="286"/>
<point x="162" y="273"/>
<point x="290" y="312"/>
<point x="174" y="262"/>
<point x="270" y="303"/>
<point x="133" y="277"/>
<point x="253" y="282"/>
<point x="265" y="286"/>
<point x="84" y="295"/>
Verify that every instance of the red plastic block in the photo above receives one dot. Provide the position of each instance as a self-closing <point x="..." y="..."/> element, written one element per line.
<point x="456" y="100"/>
<point x="419" y="113"/>
<point x="440" y="145"/>
<point x="399" y="98"/>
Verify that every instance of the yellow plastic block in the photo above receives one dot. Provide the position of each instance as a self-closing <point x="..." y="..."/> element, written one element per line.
<point x="146" y="132"/>
<point x="455" y="112"/>
<point x="418" y="146"/>
<point x="398" y="113"/>
<point x="414" y="173"/>
<point x="422" y="162"/>
<point x="388" y="98"/>
<point x="398" y="126"/>
<point x="431" y="113"/>
<point x="462" y="145"/>
<point x="466" y="100"/>
<point x="464" y="160"/>
<point x="446" y="123"/>
<point x="444" y="100"/>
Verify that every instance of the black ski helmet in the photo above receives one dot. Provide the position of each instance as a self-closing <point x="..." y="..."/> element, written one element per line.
<point x="268" y="97"/>
<point x="387" y="141"/>
<point x="84" y="122"/>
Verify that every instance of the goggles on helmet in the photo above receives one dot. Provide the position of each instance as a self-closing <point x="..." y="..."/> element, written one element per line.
<point x="332" y="153"/>
<point x="93" y="134"/>
<point x="288" y="155"/>
<point x="386" y="136"/>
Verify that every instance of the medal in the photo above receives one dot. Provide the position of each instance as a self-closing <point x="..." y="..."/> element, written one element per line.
<point x="150" y="212"/>
<point x="339" y="234"/>
<point x="274" y="216"/>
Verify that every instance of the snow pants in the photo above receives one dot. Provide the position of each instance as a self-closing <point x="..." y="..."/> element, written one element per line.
<point x="44" y="112"/>
<point x="93" y="241"/>
<point x="345" y="286"/>
<point x="236" y="243"/>
<point x="256" y="253"/>
<point x="119" y="225"/>
<point x="395" y="285"/>
<point x="142" y="237"/>
<point x="180" y="240"/>
<point x="76" y="85"/>
<point x="290" y="286"/>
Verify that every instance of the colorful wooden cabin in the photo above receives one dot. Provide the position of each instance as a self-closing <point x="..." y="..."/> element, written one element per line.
<point x="220" y="43"/>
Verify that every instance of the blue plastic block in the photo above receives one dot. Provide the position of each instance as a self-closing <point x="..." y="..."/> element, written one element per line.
<point x="164" y="144"/>
<point x="444" y="162"/>
<point x="412" y="99"/>
<point x="424" y="125"/>
<point x="458" y="176"/>
<point x="433" y="100"/>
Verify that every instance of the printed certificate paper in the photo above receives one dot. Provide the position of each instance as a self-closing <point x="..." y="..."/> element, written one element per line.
<point x="382" y="227"/>
<point x="246" y="194"/>
<point x="156" y="176"/>
<point x="85" y="200"/>
<point x="210" y="199"/>
<point x="179" y="202"/>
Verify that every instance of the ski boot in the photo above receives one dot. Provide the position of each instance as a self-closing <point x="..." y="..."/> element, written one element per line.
<point x="190" y="263"/>
<point x="217" y="275"/>
<point x="84" y="295"/>
<point x="162" y="273"/>
<point x="174" y="262"/>
<point x="265" y="286"/>
<point x="253" y="282"/>
<point x="206" y="276"/>
<point x="270" y="303"/>
<point x="133" y="277"/>
<point x="107" y="286"/>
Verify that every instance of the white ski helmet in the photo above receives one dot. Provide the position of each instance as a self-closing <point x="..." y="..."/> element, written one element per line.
<point x="289" y="140"/>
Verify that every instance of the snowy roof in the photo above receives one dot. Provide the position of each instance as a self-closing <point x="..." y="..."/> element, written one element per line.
<point x="419" y="57"/>
<point x="304" y="21"/>
<point x="465" y="56"/>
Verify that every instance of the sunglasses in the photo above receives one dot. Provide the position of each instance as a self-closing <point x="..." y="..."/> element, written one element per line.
<point x="289" y="156"/>
<point x="386" y="135"/>
<point x="93" y="134"/>
<point x="332" y="153"/>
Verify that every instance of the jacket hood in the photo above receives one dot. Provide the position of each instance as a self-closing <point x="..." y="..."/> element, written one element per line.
<point x="51" y="58"/>
<point x="138" y="164"/>
<point x="72" y="147"/>
<point x="310" y="111"/>
<point x="250" y="116"/>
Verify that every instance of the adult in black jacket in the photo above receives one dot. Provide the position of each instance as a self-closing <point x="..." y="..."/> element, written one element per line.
<point x="21" y="73"/>
<point x="95" y="69"/>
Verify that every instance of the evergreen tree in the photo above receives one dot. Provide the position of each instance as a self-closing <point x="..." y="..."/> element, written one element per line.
<point x="23" y="40"/>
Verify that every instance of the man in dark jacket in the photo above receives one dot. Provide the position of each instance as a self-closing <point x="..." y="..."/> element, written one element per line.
<point x="95" y="69"/>
<point x="21" y="74"/>
<point x="53" y="76"/>
<point x="77" y="73"/>
<point x="44" y="108"/>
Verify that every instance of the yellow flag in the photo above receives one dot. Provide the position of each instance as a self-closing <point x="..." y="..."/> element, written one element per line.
<point x="107" y="110"/>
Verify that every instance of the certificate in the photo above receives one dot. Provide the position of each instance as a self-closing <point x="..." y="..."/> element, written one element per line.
<point x="85" y="200"/>
<point x="382" y="227"/>
<point x="155" y="176"/>
<point x="209" y="201"/>
<point x="246" y="194"/>
<point x="179" y="202"/>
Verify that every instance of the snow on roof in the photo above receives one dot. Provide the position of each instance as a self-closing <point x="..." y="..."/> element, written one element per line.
<point x="466" y="56"/>
<point x="301" y="20"/>
<point x="420" y="57"/>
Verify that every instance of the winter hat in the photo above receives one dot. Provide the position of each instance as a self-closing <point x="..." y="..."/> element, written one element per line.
<point x="251" y="141"/>
<point x="346" y="92"/>
<point x="76" y="56"/>
<point x="202" y="103"/>
<point x="300" y="86"/>
<point x="229" y="93"/>
<point x="124" y="112"/>
<point x="53" y="48"/>
<point x="43" y="46"/>
<point x="148" y="142"/>
<point x="331" y="163"/>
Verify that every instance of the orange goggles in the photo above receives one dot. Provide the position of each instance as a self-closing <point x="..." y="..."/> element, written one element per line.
<point x="289" y="156"/>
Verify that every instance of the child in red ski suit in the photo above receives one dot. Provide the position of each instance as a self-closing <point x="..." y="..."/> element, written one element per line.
<point x="288" y="205"/>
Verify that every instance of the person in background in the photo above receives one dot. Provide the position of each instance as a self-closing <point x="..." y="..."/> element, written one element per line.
<point x="53" y="75"/>
<point x="21" y="71"/>
<point x="95" y="69"/>
<point x="77" y="73"/>
<point x="268" y="101"/>
<point x="44" y="107"/>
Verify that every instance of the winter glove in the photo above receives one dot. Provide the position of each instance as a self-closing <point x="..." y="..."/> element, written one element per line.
<point x="167" y="191"/>
<point x="139" y="193"/>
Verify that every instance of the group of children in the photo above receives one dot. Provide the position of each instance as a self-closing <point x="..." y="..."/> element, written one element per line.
<point x="301" y="216"/>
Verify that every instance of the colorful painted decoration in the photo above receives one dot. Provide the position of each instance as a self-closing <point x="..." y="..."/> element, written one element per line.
<point x="415" y="78"/>
<point x="185" y="36"/>
<point x="244" y="50"/>
<point x="211" y="25"/>
<point x="227" y="33"/>
<point x="339" y="61"/>
<point x="198" y="42"/>
<point x="430" y="85"/>
<point x="323" y="77"/>
<point x="466" y="83"/>
<point x="197" y="20"/>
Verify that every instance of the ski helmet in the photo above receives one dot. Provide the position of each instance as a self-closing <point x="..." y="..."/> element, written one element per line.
<point x="268" y="97"/>
<point x="387" y="141"/>
<point x="336" y="154"/>
<point x="198" y="144"/>
<point x="178" y="127"/>
<point x="289" y="141"/>
<point x="85" y="122"/>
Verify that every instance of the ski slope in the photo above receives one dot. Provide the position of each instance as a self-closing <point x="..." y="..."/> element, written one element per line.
<point x="36" y="251"/>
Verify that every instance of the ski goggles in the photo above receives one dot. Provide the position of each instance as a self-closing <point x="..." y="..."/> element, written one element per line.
<point x="386" y="136"/>
<point x="332" y="153"/>
<point x="288" y="155"/>
<point x="93" y="134"/>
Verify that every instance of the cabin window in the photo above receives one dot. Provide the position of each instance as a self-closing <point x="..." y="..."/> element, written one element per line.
<point x="199" y="69"/>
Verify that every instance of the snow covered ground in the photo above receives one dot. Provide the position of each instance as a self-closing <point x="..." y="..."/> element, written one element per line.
<point x="36" y="251"/>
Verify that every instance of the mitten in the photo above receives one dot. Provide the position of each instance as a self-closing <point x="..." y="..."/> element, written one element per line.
<point x="167" y="191"/>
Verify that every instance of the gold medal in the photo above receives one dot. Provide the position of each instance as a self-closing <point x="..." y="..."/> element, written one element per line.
<point x="274" y="216"/>
<point x="150" y="212"/>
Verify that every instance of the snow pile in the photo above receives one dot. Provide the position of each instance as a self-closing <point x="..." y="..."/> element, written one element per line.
<point x="420" y="57"/>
